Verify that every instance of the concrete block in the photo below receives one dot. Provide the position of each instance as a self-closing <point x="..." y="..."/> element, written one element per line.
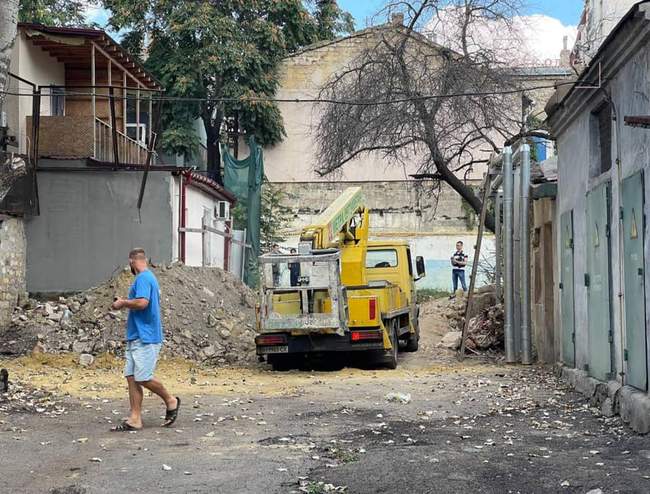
<point x="635" y="409"/>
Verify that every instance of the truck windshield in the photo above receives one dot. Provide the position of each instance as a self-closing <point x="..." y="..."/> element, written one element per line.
<point x="384" y="258"/>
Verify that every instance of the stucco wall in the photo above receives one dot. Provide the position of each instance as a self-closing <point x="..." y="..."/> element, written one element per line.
<point x="36" y="65"/>
<point x="89" y="221"/>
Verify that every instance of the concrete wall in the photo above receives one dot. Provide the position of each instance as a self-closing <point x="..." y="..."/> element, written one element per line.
<point x="403" y="207"/>
<point x="88" y="223"/>
<point x="12" y="266"/>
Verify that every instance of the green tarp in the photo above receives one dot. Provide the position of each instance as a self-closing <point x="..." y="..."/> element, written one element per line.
<point x="244" y="179"/>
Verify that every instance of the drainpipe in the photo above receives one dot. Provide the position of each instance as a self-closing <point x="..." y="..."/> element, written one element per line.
<point x="508" y="191"/>
<point x="524" y="215"/>
<point x="498" y="237"/>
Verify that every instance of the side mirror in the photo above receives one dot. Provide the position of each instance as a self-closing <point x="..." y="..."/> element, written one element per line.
<point x="419" y="267"/>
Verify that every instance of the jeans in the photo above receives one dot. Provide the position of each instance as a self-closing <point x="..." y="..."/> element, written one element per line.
<point x="458" y="274"/>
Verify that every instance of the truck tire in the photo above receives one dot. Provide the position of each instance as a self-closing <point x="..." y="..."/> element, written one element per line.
<point x="391" y="359"/>
<point x="413" y="341"/>
<point x="280" y="363"/>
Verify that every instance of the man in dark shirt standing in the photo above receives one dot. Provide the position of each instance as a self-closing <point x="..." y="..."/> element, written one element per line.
<point x="458" y="263"/>
<point x="294" y="270"/>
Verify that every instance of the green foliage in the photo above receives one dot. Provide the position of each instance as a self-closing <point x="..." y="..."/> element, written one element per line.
<point x="275" y="218"/>
<point x="331" y="21"/>
<point x="53" y="12"/>
<point x="209" y="50"/>
<point x="426" y="294"/>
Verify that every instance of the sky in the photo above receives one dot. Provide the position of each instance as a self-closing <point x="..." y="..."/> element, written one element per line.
<point x="566" y="11"/>
<point x="546" y="22"/>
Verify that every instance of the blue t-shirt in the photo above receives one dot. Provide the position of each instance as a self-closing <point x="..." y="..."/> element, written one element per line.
<point x="145" y="324"/>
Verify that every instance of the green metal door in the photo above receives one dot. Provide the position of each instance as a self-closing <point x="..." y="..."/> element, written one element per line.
<point x="597" y="282"/>
<point x="566" y="290"/>
<point x="633" y="233"/>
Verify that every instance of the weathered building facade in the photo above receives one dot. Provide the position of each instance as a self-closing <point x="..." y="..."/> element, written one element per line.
<point x="603" y="141"/>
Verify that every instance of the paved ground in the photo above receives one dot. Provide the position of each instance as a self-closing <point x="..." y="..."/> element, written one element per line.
<point x="477" y="427"/>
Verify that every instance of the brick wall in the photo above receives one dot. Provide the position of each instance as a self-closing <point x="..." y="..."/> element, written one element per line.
<point x="12" y="266"/>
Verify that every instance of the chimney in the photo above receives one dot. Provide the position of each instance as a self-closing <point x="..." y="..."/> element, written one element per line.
<point x="565" y="54"/>
<point x="397" y="19"/>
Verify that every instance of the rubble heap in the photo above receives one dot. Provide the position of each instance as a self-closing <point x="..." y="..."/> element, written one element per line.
<point x="208" y="315"/>
<point x="485" y="330"/>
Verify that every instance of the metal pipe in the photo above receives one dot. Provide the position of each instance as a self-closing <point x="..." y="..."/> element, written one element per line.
<point x="498" y="238"/>
<point x="508" y="191"/>
<point x="524" y="216"/>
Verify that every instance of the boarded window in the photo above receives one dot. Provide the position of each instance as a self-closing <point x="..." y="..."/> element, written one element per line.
<point x="601" y="138"/>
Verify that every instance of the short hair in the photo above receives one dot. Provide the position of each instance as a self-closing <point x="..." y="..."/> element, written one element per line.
<point x="292" y="250"/>
<point x="137" y="253"/>
<point x="460" y="242"/>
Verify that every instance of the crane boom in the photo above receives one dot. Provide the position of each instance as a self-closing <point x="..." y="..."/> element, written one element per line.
<point x="343" y="225"/>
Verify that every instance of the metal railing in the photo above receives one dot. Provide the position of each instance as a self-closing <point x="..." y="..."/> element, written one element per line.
<point x="129" y="150"/>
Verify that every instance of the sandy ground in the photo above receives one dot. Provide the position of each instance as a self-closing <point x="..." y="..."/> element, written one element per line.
<point x="479" y="426"/>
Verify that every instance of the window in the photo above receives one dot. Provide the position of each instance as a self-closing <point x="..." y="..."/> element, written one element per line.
<point x="601" y="140"/>
<point x="57" y="101"/>
<point x="385" y="258"/>
<point x="408" y="258"/>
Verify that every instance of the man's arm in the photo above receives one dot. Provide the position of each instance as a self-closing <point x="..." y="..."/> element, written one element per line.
<point x="133" y="304"/>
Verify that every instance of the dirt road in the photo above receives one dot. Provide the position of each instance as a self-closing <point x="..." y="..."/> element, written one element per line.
<point x="477" y="427"/>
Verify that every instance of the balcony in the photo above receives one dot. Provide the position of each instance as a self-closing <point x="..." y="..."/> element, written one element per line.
<point x="85" y="137"/>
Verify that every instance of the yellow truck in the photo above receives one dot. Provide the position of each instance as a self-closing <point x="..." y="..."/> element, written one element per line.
<point x="339" y="292"/>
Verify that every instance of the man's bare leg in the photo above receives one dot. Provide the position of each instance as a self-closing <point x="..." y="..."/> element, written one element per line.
<point x="156" y="387"/>
<point x="135" y="400"/>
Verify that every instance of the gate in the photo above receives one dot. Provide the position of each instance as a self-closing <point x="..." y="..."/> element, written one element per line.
<point x="567" y="290"/>
<point x="633" y="234"/>
<point x="597" y="280"/>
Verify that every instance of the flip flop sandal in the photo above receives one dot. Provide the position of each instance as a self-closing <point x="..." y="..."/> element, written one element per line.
<point x="125" y="427"/>
<point x="172" y="415"/>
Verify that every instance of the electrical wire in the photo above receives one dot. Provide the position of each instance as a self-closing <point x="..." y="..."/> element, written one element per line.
<point x="307" y="100"/>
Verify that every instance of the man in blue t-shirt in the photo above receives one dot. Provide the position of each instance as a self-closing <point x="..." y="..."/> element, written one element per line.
<point x="143" y="342"/>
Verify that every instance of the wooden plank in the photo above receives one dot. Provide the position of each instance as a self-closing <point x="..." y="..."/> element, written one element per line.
<point x="477" y="258"/>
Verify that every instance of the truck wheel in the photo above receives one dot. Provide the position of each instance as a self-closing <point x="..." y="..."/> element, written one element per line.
<point x="391" y="359"/>
<point x="281" y="362"/>
<point x="413" y="341"/>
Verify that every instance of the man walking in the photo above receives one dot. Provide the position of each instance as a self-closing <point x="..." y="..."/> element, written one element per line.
<point x="458" y="263"/>
<point x="143" y="343"/>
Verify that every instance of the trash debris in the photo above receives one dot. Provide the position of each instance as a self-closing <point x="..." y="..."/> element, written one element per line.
<point x="208" y="316"/>
<point x="166" y="468"/>
<point x="399" y="397"/>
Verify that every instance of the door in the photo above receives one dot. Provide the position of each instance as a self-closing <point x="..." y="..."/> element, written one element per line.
<point x="597" y="280"/>
<point x="566" y="290"/>
<point x="633" y="235"/>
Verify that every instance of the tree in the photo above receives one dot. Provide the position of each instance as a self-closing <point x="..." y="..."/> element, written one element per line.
<point x="224" y="54"/>
<point x="331" y="20"/>
<point x="274" y="217"/>
<point x="409" y="98"/>
<point x="54" y="12"/>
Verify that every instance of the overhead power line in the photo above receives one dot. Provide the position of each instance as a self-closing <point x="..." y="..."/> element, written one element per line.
<point x="306" y="100"/>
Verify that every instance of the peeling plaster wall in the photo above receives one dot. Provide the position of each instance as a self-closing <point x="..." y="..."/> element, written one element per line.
<point x="12" y="266"/>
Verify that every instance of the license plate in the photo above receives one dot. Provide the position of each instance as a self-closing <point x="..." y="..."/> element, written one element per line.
<point x="273" y="349"/>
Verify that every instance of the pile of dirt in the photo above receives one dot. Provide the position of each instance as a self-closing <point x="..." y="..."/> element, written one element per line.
<point x="208" y="315"/>
<point x="485" y="329"/>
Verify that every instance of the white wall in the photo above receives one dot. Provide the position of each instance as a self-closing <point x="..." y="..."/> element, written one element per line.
<point x="36" y="65"/>
<point x="196" y="203"/>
